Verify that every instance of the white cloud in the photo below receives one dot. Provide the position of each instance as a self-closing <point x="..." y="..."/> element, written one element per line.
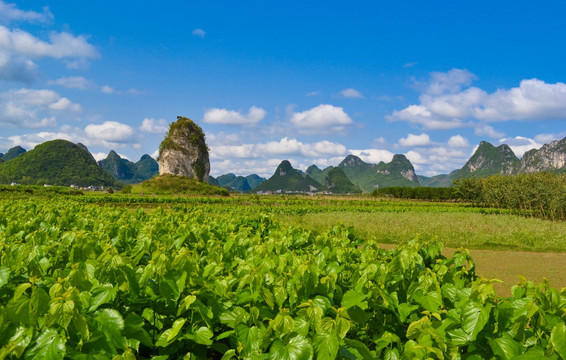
<point x="60" y="45"/>
<point x="458" y="141"/>
<point x="521" y="145"/>
<point x="373" y="156"/>
<point x="72" y="82"/>
<point x="10" y="12"/>
<point x="223" y="116"/>
<point x="418" y="114"/>
<point x="107" y="89"/>
<point x="313" y="93"/>
<point x="284" y="147"/>
<point x="445" y="104"/>
<point x="17" y="68"/>
<point x="548" y="138"/>
<point x="199" y="32"/>
<point x="151" y="125"/>
<point x="415" y="140"/>
<point x="33" y="108"/>
<point x="321" y="119"/>
<point x="99" y="156"/>
<point x="351" y="94"/>
<point x="448" y="82"/>
<point x="486" y="130"/>
<point x="110" y="131"/>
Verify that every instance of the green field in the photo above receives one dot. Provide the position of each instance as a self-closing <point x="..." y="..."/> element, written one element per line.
<point x="127" y="276"/>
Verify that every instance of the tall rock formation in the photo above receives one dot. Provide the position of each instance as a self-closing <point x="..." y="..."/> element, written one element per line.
<point x="184" y="152"/>
<point x="550" y="157"/>
<point x="489" y="160"/>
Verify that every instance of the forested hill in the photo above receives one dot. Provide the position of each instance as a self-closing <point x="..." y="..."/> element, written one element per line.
<point x="56" y="162"/>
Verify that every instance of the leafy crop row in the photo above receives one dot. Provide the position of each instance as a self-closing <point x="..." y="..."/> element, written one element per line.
<point x="82" y="281"/>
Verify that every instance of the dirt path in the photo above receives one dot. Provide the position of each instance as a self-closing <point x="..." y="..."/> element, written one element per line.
<point x="507" y="266"/>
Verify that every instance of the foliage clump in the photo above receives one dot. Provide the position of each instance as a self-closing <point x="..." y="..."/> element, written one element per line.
<point x="83" y="281"/>
<point x="539" y="194"/>
<point x="176" y="185"/>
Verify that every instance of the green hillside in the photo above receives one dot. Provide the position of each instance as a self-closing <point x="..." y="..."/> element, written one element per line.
<point x="56" y="162"/>
<point x="489" y="160"/>
<point x="316" y="173"/>
<point x="338" y="183"/>
<point x="146" y="168"/>
<point x="441" y="180"/>
<point x="233" y="182"/>
<point x="13" y="153"/>
<point x="176" y="185"/>
<point x="288" y="179"/>
<point x="254" y="180"/>
<point x="399" y="172"/>
<point x="128" y="172"/>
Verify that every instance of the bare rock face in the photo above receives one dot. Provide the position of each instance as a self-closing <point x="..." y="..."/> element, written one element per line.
<point x="550" y="157"/>
<point x="184" y="152"/>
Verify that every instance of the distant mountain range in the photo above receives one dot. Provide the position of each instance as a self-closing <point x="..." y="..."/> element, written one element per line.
<point x="60" y="162"/>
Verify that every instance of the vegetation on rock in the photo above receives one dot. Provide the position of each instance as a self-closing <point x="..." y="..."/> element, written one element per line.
<point x="176" y="185"/>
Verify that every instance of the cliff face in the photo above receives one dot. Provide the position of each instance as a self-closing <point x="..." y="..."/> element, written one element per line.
<point x="550" y="157"/>
<point x="184" y="152"/>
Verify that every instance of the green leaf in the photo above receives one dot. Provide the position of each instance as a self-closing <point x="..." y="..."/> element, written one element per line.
<point x="49" y="346"/>
<point x="431" y="301"/>
<point x="361" y="348"/>
<point x="296" y="348"/>
<point x="4" y="275"/>
<point x="354" y="298"/>
<point x="61" y="312"/>
<point x="405" y="310"/>
<point x="249" y="338"/>
<point x="391" y="354"/>
<point x="110" y="323"/>
<point x="506" y="347"/>
<point x="326" y="346"/>
<point x="134" y="329"/>
<point x="175" y="328"/>
<point x="19" y="341"/>
<point x="203" y="336"/>
<point x="558" y="339"/>
<point x="102" y="295"/>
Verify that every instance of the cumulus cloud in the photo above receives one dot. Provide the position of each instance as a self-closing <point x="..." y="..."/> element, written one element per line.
<point x="458" y="141"/>
<point x="110" y="131"/>
<point x="373" y="156"/>
<point x="350" y="94"/>
<point x="285" y="147"/>
<point x="33" y="108"/>
<point x="60" y="45"/>
<point x="154" y="126"/>
<point x="321" y="119"/>
<point x="10" y="13"/>
<point x="223" y="116"/>
<point x="199" y="32"/>
<point x="415" y="140"/>
<point x="447" y="102"/>
<point x="520" y="144"/>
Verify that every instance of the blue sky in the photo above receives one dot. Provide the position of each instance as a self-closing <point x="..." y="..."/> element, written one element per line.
<point x="310" y="82"/>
